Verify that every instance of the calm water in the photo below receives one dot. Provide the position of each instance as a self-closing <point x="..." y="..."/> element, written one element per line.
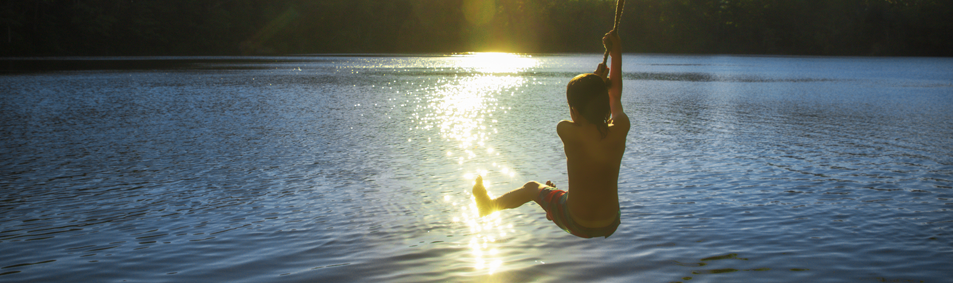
<point x="326" y="169"/>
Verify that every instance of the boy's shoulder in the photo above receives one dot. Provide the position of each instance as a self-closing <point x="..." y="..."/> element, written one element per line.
<point x="564" y="123"/>
<point x="567" y="131"/>
<point x="621" y="121"/>
<point x="564" y="127"/>
<point x="619" y="129"/>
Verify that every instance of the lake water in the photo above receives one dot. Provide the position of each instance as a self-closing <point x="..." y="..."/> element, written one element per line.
<point x="358" y="168"/>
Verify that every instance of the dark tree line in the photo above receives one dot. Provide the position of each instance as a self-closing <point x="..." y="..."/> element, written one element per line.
<point x="248" y="27"/>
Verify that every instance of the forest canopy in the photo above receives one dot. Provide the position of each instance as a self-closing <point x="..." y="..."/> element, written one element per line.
<point x="253" y="27"/>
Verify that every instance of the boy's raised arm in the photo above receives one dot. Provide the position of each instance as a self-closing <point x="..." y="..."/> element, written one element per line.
<point x="614" y="44"/>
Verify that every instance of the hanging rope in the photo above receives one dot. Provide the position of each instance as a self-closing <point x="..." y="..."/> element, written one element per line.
<point x="615" y="27"/>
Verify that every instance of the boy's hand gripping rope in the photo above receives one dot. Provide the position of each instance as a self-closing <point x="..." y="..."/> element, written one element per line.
<point x="615" y="27"/>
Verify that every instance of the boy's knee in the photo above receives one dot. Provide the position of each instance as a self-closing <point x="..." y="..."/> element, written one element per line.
<point x="532" y="184"/>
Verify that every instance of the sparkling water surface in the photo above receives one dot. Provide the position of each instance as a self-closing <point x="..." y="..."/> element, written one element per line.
<point x="358" y="168"/>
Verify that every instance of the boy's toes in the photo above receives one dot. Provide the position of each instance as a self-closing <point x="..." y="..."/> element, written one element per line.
<point x="478" y="185"/>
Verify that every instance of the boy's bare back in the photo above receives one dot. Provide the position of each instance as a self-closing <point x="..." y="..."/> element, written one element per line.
<point x="593" y="165"/>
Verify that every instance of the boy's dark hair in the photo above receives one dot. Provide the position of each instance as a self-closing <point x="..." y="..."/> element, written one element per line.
<point x="589" y="95"/>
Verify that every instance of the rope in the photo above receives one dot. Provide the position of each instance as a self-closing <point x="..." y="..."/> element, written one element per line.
<point x="615" y="27"/>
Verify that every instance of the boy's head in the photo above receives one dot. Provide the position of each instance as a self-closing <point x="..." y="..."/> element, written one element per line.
<point x="588" y="96"/>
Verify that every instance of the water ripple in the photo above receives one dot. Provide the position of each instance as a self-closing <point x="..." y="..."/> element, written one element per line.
<point x="344" y="168"/>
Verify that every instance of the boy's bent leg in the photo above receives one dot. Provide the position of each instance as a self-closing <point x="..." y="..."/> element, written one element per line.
<point x="518" y="197"/>
<point x="511" y="199"/>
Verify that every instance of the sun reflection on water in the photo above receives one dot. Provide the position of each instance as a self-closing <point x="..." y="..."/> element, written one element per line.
<point x="464" y="112"/>
<point x="494" y="62"/>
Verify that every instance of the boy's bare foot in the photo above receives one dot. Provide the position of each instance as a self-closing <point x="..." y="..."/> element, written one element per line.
<point x="550" y="183"/>
<point x="483" y="201"/>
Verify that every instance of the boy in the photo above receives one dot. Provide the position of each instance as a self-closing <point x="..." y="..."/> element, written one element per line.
<point x="594" y="145"/>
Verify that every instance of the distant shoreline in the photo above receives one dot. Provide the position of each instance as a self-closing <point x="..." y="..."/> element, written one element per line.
<point x="421" y="54"/>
